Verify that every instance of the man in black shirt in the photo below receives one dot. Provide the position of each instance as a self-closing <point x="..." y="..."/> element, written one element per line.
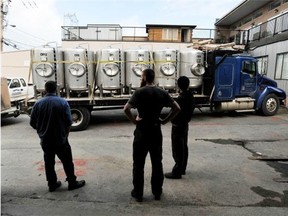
<point x="51" y="117"/>
<point x="149" y="101"/>
<point x="180" y="126"/>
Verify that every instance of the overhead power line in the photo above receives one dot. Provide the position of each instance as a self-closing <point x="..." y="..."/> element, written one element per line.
<point x="7" y="42"/>
<point x="29" y="4"/>
<point x="31" y="35"/>
<point x="17" y="42"/>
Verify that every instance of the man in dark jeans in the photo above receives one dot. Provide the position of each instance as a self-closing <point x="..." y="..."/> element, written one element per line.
<point x="51" y="117"/>
<point x="149" y="100"/>
<point x="180" y="126"/>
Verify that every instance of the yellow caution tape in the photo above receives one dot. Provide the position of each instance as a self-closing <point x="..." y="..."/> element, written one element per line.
<point x="101" y="62"/>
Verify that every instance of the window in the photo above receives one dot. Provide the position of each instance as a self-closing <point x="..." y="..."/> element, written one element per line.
<point x="247" y="19"/>
<point x="258" y="14"/>
<point x="262" y="64"/>
<point x="274" y="4"/>
<point x="170" y="34"/>
<point x="249" y="67"/>
<point x="15" y="83"/>
<point x="23" y="82"/>
<point x="282" y="66"/>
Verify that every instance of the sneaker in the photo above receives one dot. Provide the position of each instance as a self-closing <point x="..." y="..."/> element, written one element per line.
<point x="53" y="187"/>
<point x="171" y="175"/>
<point x="76" y="184"/>
<point x="137" y="198"/>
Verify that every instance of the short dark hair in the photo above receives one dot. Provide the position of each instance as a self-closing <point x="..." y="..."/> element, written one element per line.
<point x="50" y="86"/>
<point x="149" y="74"/>
<point x="183" y="83"/>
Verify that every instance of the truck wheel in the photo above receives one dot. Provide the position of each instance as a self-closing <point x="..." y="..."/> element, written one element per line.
<point x="270" y="105"/>
<point x="80" y="118"/>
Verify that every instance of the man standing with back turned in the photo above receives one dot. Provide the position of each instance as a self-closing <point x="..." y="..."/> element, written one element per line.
<point x="180" y="127"/>
<point x="51" y="117"/>
<point x="149" y="100"/>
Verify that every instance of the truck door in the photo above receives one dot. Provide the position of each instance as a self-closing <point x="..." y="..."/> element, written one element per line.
<point x="17" y="88"/>
<point x="224" y="79"/>
<point x="248" y="78"/>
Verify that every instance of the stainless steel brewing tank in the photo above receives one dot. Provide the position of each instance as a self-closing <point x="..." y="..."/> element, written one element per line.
<point x="135" y="62"/>
<point x="166" y="68"/>
<point x="47" y="65"/>
<point x="110" y="74"/>
<point x="192" y="66"/>
<point x="79" y="69"/>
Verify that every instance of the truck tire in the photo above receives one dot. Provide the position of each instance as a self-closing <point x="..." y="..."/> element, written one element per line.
<point x="270" y="105"/>
<point x="80" y="118"/>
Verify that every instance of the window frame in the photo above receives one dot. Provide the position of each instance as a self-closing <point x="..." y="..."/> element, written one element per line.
<point x="279" y="75"/>
<point x="251" y="70"/>
<point x="170" y="34"/>
<point x="15" y="83"/>
<point x="23" y="82"/>
<point x="274" y="5"/>
<point x="265" y="66"/>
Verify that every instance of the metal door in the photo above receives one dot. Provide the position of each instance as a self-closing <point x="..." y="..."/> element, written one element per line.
<point x="224" y="82"/>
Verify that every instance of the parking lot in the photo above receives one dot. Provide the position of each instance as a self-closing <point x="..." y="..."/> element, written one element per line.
<point x="237" y="166"/>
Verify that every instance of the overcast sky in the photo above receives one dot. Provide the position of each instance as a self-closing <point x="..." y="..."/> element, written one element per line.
<point x="39" y="21"/>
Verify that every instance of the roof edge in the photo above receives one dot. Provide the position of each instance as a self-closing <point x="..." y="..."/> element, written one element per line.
<point x="232" y="11"/>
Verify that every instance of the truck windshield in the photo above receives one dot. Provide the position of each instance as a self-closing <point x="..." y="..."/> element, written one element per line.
<point x="249" y="67"/>
<point x="15" y="84"/>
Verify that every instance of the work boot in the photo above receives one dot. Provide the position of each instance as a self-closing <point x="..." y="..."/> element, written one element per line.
<point x="172" y="175"/>
<point x="54" y="186"/>
<point x="157" y="197"/>
<point x="137" y="198"/>
<point x="76" y="184"/>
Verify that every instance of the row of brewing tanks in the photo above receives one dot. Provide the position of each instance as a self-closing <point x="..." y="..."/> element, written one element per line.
<point x="79" y="72"/>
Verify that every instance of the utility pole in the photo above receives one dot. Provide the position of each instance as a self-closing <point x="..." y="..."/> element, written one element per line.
<point x="1" y="26"/>
<point x="3" y="20"/>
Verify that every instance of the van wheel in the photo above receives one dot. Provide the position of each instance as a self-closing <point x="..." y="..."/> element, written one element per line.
<point x="270" y="105"/>
<point x="80" y="118"/>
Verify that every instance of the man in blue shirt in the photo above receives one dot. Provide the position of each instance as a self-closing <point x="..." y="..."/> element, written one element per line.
<point x="51" y="117"/>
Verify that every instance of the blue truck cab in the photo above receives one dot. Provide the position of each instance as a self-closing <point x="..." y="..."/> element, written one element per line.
<point x="239" y="86"/>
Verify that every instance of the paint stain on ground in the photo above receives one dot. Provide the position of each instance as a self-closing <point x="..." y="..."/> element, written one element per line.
<point x="80" y="166"/>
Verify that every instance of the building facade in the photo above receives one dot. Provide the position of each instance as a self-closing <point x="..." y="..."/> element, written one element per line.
<point x="112" y="32"/>
<point x="170" y="33"/>
<point x="263" y="27"/>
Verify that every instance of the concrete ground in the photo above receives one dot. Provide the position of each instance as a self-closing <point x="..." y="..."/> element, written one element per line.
<point x="226" y="173"/>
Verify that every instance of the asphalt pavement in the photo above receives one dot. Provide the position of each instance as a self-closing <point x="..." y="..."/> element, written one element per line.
<point x="237" y="166"/>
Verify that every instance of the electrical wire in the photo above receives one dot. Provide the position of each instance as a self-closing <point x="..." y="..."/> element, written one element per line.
<point x="9" y="43"/>
<point x="35" y="37"/>
<point x="17" y="42"/>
